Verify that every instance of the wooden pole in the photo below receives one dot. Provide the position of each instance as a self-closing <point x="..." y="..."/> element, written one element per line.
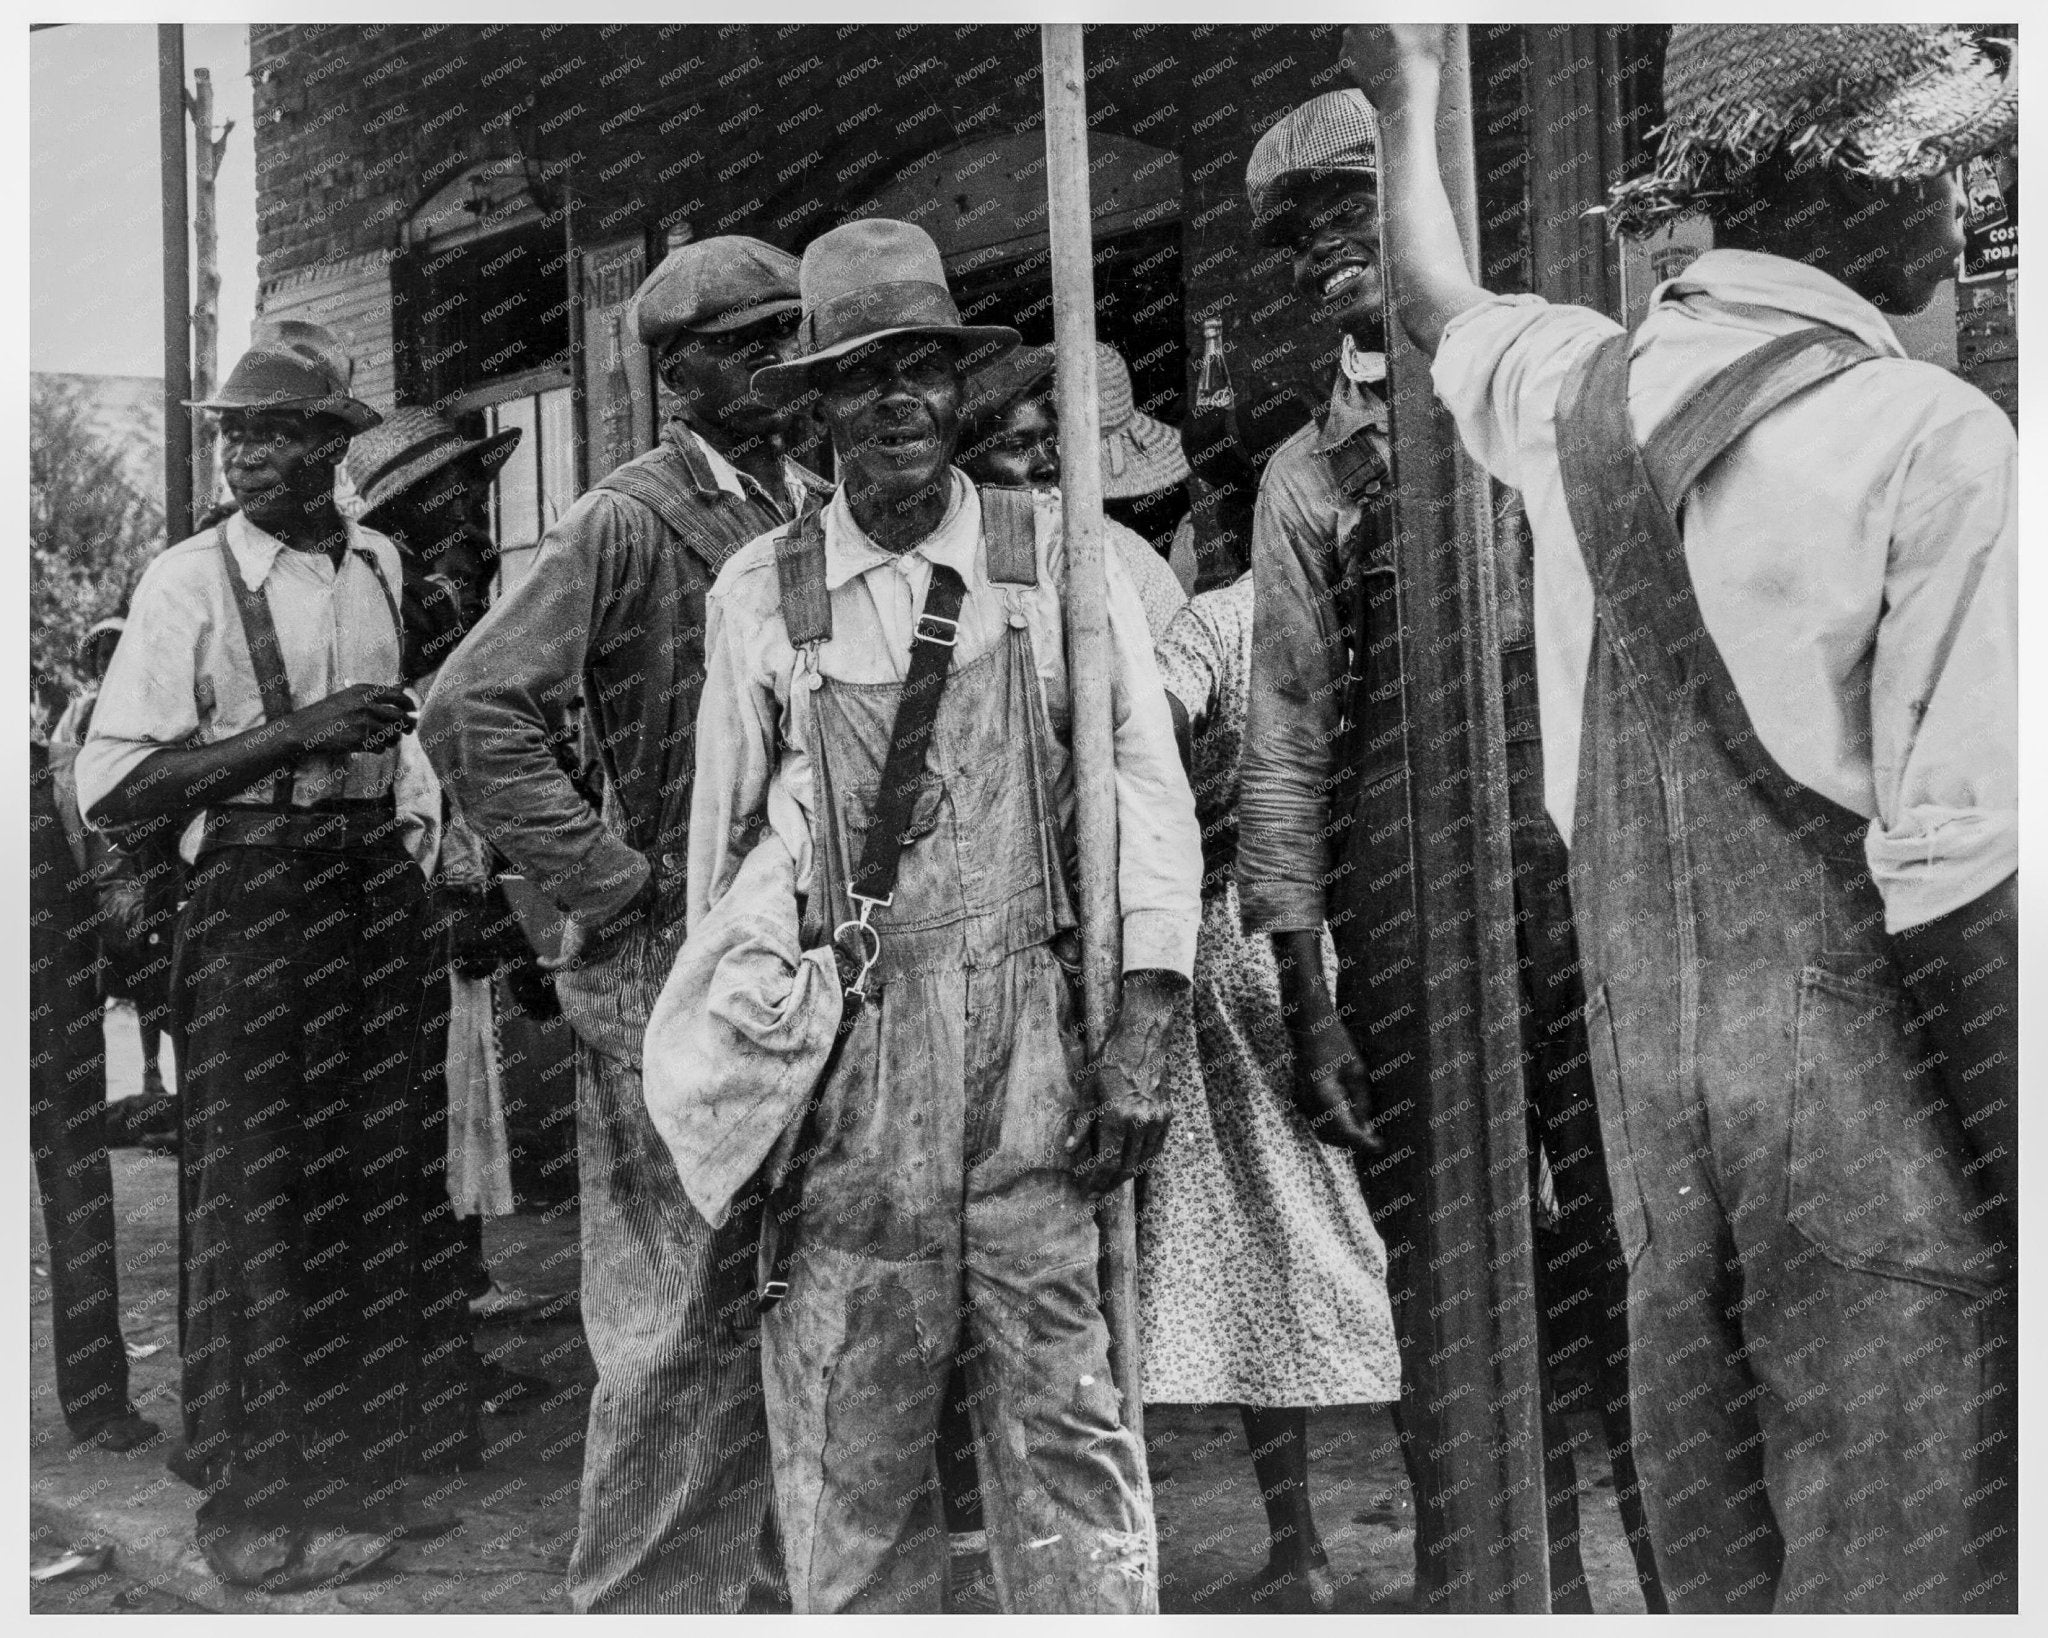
<point x="206" y="300"/>
<point x="1088" y="652"/>
<point x="1479" y="1440"/>
<point x="170" y="98"/>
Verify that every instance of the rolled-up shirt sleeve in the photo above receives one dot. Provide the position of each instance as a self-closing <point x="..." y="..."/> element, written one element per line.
<point x="737" y="741"/>
<point x="1498" y="371"/>
<point x="1944" y="686"/>
<point x="490" y="723"/>
<point x="1294" y="712"/>
<point x="150" y="698"/>
<point x="1159" y="840"/>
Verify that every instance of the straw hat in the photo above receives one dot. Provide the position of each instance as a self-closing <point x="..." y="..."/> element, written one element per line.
<point x="1140" y="456"/>
<point x="411" y="444"/>
<point x="1898" y="102"/>
<point x="867" y="280"/>
<point x="292" y="364"/>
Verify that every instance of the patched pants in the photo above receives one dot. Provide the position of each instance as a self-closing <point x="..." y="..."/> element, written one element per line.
<point x="941" y="1195"/>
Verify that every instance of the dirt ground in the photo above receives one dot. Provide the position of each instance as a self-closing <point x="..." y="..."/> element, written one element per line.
<point x="522" y="1503"/>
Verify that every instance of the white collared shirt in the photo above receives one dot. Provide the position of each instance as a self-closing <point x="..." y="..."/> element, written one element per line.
<point x="750" y="751"/>
<point x="1854" y="557"/>
<point x="735" y="482"/>
<point x="182" y="674"/>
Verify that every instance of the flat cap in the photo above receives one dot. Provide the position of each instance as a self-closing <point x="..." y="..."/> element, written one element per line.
<point x="1335" y="132"/>
<point x="714" y="284"/>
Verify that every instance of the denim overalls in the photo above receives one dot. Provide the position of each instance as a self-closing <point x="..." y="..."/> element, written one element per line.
<point x="1820" y="1356"/>
<point x="940" y="1191"/>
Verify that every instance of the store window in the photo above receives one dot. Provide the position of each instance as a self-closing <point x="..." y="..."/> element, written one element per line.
<point x="538" y="484"/>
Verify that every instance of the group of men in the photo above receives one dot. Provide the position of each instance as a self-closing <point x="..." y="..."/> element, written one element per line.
<point x="1786" y="769"/>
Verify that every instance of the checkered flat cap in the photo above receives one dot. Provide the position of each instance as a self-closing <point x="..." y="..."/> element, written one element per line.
<point x="1335" y="132"/>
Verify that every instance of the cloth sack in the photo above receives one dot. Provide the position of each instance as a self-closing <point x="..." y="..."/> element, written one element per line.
<point x="740" y="1032"/>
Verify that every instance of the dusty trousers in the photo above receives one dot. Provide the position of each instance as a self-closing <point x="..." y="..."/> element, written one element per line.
<point x="674" y="1515"/>
<point x="1821" y="1352"/>
<point x="940" y="1197"/>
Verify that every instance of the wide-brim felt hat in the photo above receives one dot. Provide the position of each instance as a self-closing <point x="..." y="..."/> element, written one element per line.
<point x="1140" y="455"/>
<point x="863" y="283"/>
<point x="296" y="365"/>
<point x="1896" y="102"/>
<point x="413" y="443"/>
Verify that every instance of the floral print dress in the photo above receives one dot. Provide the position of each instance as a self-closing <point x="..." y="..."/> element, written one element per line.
<point x="1261" y="1279"/>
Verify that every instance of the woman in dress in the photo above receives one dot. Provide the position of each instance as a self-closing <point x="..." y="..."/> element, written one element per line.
<point x="1261" y="1280"/>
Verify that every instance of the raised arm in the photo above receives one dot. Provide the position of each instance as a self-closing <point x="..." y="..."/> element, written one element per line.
<point x="1399" y="67"/>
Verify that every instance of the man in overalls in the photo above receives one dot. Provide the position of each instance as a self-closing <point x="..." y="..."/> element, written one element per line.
<point x="254" y="707"/>
<point x="957" y="1142"/>
<point x="1776" y="636"/>
<point x="675" y="1515"/>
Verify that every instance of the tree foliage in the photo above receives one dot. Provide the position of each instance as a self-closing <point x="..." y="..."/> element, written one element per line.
<point x="91" y="530"/>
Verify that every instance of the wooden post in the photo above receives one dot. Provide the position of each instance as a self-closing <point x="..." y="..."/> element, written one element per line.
<point x="170" y="109"/>
<point x="1479" y="1440"/>
<point x="1088" y="652"/>
<point x="206" y="299"/>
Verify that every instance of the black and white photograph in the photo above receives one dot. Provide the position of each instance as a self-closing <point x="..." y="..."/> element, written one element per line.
<point x="1127" y="812"/>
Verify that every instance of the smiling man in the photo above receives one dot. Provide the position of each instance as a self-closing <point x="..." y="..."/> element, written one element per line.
<point x="254" y="706"/>
<point x="888" y="691"/>
<point x="674" y="1516"/>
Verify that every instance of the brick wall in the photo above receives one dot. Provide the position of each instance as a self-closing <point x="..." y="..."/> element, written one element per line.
<point x="777" y="131"/>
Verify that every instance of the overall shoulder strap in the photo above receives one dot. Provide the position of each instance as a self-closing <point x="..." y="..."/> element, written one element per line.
<point x="800" y="573"/>
<point x="1648" y="615"/>
<point x="657" y="481"/>
<point x="1008" y="523"/>
<point x="266" y="654"/>
<point x="1702" y="429"/>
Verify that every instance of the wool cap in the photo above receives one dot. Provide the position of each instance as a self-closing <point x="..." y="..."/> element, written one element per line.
<point x="1898" y="102"/>
<point x="713" y="285"/>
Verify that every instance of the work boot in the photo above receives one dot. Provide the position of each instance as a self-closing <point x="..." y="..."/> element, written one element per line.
<point x="118" y="1434"/>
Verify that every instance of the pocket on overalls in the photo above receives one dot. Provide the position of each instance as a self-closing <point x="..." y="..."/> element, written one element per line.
<point x="1631" y="1219"/>
<point x="1875" y="1177"/>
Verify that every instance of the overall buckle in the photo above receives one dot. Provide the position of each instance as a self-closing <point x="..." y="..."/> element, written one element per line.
<point x="947" y="639"/>
<point x="857" y="991"/>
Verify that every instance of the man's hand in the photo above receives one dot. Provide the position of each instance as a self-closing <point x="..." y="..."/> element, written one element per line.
<point x="584" y="942"/>
<point x="1388" y="61"/>
<point x="1398" y="66"/>
<point x="365" y="717"/>
<point x="1330" y="1086"/>
<point x="1129" y="1114"/>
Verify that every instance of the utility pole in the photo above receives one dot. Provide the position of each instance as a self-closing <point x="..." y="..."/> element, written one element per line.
<point x="1475" y="1424"/>
<point x="206" y="306"/>
<point x="1071" y="227"/>
<point x="170" y="97"/>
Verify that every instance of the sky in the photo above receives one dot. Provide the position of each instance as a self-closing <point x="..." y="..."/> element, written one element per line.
<point x="96" y="199"/>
